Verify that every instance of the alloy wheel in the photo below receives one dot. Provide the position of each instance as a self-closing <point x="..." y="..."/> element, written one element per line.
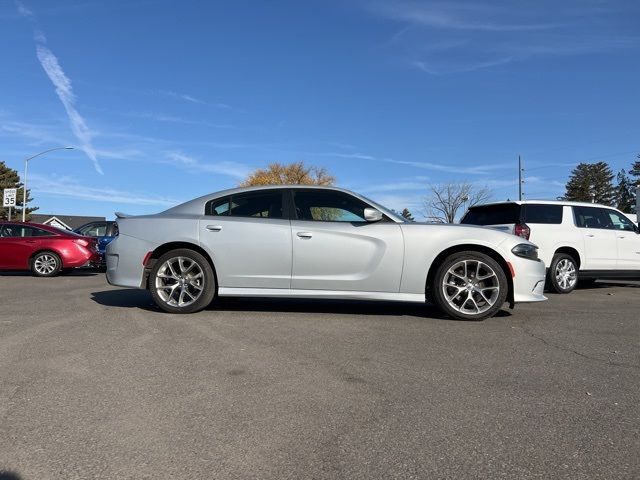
<point x="179" y="281"/>
<point x="566" y="274"/>
<point x="471" y="287"/>
<point x="45" y="264"/>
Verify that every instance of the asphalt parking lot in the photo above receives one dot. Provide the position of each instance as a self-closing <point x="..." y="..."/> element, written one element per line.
<point x="95" y="382"/>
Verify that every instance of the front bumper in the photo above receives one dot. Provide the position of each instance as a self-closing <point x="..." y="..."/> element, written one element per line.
<point x="528" y="280"/>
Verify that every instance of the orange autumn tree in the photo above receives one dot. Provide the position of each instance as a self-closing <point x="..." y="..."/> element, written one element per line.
<point x="296" y="173"/>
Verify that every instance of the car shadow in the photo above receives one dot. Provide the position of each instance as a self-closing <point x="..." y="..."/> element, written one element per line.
<point x="601" y="284"/>
<point x="26" y="273"/>
<point x="141" y="299"/>
<point x="7" y="475"/>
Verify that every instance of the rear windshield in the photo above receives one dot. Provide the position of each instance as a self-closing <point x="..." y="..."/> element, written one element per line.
<point x="499" y="214"/>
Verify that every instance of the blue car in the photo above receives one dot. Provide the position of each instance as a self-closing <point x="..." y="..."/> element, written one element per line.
<point x="104" y="232"/>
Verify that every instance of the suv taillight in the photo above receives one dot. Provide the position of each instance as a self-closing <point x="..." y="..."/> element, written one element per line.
<point x="522" y="230"/>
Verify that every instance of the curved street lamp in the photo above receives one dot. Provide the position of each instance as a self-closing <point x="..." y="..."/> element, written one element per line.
<point x="24" y="186"/>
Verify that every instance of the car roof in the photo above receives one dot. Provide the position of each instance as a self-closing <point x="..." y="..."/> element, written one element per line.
<point x="41" y="226"/>
<point x="543" y="202"/>
<point x="194" y="206"/>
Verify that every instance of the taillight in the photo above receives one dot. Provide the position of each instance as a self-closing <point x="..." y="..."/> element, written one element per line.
<point x="522" y="230"/>
<point x="81" y="241"/>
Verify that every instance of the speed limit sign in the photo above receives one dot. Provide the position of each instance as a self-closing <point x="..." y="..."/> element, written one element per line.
<point x="9" y="197"/>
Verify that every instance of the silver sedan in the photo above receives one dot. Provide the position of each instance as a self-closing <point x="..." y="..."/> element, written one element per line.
<point x="318" y="242"/>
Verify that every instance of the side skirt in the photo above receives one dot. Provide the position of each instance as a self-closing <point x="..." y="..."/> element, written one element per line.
<point x="329" y="294"/>
<point x="609" y="274"/>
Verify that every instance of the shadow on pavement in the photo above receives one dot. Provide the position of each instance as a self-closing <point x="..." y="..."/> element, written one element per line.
<point x="133" y="298"/>
<point x="26" y="273"/>
<point x="6" y="475"/>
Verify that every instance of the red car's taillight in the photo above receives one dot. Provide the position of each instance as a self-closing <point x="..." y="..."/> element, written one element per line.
<point x="81" y="241"/>
<point x="522" y="230"/>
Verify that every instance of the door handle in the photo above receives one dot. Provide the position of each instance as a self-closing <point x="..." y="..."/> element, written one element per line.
<point x="30" y="241"/>
<point x="590" y="235"/>
<point x="305" y="234"/>
<point x="621" y="237"/>
<point x="214" y="228"/>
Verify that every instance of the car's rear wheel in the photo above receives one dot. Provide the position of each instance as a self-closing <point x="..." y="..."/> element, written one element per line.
<point x="562" y="276"/>
<point x="469" y="286"/>
<point x="182" y="281"/>
<point x="46" y="264"/>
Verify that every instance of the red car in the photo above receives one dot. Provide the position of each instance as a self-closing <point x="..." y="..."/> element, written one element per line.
<point x="46" y="251"/>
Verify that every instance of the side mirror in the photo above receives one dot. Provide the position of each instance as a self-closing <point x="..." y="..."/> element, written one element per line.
<point x="372" y="215"/>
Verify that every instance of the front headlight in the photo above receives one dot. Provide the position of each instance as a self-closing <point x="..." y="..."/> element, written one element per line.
<point x="526" y="250"/>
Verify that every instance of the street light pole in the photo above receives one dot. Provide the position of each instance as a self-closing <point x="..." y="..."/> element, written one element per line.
<point x="26" y="167"/>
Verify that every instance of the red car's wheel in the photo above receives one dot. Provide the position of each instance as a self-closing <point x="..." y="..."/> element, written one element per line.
<point x="46" y="264"/>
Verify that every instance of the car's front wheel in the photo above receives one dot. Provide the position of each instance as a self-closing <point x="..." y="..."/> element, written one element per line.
<point x="46" y="264"/>
<point x="563" y="273"/>
<point x="182" y="281"/>
<point x="469" y="286"/>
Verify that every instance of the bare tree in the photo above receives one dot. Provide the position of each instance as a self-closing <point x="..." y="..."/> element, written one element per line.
<point x="447" y="199"/>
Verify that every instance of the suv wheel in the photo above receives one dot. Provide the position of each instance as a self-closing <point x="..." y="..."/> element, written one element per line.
<point x="469" y="286"/>
<point x="46" y="264"/>
<point x="182" y="281"/>
<point x="563" y="273"/>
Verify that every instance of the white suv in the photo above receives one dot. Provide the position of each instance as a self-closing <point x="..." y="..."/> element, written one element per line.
<point x="583" y="241"/>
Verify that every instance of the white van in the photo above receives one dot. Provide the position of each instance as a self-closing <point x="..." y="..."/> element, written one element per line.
<point x="577" y="241"/>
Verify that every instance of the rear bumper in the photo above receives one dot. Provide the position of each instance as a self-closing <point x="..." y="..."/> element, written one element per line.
<point x="124" y="257"/>
<point x="529" y="280"/>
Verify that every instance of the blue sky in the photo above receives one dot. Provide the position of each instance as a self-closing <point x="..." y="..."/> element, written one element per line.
<point x="167" y="100"/>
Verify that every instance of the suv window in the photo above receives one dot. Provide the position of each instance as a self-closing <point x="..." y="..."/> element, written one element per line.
<point x="263" y="204"/>
<point x="620" y="222"/>
<point x="547" y="214"/>
<point x="497" y="214"/>
<point x="592" y="217"/>
<point x="328" y="206"/>
<point x="24" y="231"/>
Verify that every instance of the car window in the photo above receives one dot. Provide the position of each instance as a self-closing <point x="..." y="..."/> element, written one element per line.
<point x="498" y="214"/>
<point x="545" y="214"/>
<point x="94" y="230"/>
<point x="620" y="222"/>
<point x="261" y="204"/>
<point x="328" y="206"/>
<point x="24" y="231"/>
<point x="592" y="217"/>
<point x="218" y="207"/>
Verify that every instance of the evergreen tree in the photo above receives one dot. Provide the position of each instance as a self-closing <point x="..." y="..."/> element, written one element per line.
<point x="406" y="214"/>
<point x="9" y="178"/>
<point x="635" y="172"/>
<point x="591" y="182"/>
<point x="625" y="197"/>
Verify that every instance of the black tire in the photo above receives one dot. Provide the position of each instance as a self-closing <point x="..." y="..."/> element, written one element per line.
<point x="494" y="288"/>
<point x="200" y="290"/>
<point x="46" y="264"/>
<point x="555" y="283"/>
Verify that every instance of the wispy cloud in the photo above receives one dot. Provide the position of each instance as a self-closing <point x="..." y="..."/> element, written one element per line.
<point x="68" y="187"/>
<point x="182" y="96"/>
<point x="231" y="169"/>
<point x="458" y="36"/>
<point x="63" y="89"/>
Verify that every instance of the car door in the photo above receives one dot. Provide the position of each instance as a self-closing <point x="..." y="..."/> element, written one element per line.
<point x="627" y="239"/>
<point x="17" y="244"/>
<point x="335" y="248"/>
<point x="248" y="237"/>
<point x="600" y="242"/>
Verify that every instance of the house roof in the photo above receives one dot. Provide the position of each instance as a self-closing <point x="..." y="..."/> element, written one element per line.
<point x="71" y="221"/>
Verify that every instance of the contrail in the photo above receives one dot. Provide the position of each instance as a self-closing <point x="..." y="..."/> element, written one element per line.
<point x="63" y="88"/>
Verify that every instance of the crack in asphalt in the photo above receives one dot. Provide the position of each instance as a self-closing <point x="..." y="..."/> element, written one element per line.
<point x="576" y="352"/>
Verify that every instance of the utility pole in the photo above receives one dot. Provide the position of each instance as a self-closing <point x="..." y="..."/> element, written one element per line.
<point x="520" y="180"/>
